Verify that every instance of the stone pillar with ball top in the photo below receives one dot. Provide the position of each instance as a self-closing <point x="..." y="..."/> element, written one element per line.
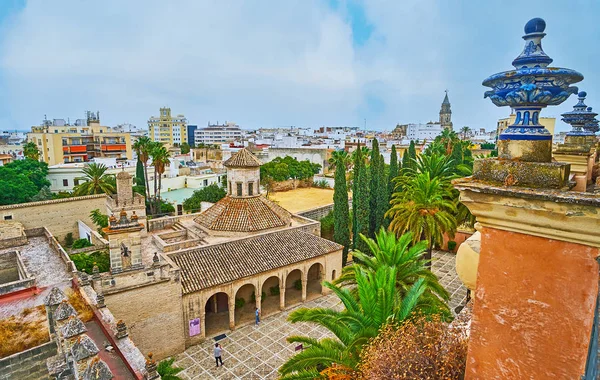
<point x="537" y="276"/>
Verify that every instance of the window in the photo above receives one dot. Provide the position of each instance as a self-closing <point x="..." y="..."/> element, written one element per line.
<point x="205" y="182"/>
<point x="250" y="188"/>
<point x="65" y="182"/>
<point x="7" y="217"/>
<point x="239" y="189"/>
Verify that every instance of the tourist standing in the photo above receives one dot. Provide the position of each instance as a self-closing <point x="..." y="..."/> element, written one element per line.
<point x="257" y="316"/>
<point x="218" y="349"/>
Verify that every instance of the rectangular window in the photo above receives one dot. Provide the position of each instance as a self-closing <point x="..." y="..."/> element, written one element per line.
<point x="250" y="188"/>
<point x="239" y="189"/>
<point x="65" y="182"/>
<point x="205" y="182"/>
<point x="7" y="217"/>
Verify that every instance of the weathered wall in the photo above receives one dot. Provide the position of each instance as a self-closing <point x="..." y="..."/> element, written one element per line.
<point x="153" y="316"/>
<point x="29" y="364"/>
<point x="319" y="213"/>
<point x="291" y="184"/>
<point x="534" y="307"/>
<point x="59" y="215"/>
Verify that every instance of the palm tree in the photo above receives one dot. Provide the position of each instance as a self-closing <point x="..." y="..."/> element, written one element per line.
<point x="426" y="208"/>
<point x="160" y="159"/>
<point x="338" y="155"/>
<point x="96" y="181"/>
<point x="30" y="150"/>
<point x="407" y="258"/>
<point x="142" y="148"/>
<point x="166" y="370"/>
<point x="374" y="303"/>
<point x="465" y="131"/>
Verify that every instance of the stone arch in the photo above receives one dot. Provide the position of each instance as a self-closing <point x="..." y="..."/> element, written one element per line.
<point x="270" y="291"/>
<point x="293" y="287"/>
<point x="314" y="277"/>
<point x="244" y="307"/>
<point x="216" y="311"/>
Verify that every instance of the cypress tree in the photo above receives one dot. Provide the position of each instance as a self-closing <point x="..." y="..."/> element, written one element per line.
<point x="394" y="171"/>
<point x="355" y="170"/>
<point x="139" y="174"/>
<point x="412" y="154"/>
<point x="405" y="160"/>
<point x="382" y="196"/>
<point x="341" y="212"/>
<point x="360" y="203"/>
<point x="374" y="186"/>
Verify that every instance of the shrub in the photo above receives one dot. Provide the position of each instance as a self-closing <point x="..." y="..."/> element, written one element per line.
<point x="253" y="297"/>
<point x="298" y="284"/>
<point x="322" y="184"/>
<point x="19" y="333"/>
<point x="488" y="146"/>
<point x="85" y="263"/>
<point x="422" y="348"/>
<point x="274" y="290"/>
<point x="84" y="311"/>
<point x="451" y="245"/>
<point x="239" y="302"/>
<point x="81" y="243"/>
<point x="327" y="225"/>
<point x="69" y="239"/>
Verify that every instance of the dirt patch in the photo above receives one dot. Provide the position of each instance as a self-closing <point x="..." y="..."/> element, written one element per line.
<point x="303" y="199"/>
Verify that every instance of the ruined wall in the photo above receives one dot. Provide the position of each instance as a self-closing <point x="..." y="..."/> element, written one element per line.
<point x="59" y="215"/>
<point x="153" y="316"/>
<point x="29" y="364"/>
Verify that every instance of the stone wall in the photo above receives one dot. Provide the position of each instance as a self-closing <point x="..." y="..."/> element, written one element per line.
<point x="319" y="213"/>
<point x="29" y="364"/>
<point x="291" y="184"/>
<point x="59" y="215"/>
<point x="153" y="315"/>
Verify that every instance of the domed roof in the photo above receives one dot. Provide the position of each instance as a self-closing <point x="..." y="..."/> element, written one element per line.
<point x="250" y="214"/>
<point x="242" y="159"/>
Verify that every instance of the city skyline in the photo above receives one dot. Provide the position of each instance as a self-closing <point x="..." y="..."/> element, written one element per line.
<point x="305" y="64"/>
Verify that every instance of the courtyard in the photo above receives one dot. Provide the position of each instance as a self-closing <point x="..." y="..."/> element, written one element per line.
<point x="302" y="199"/>
<point x="252" y="352"/>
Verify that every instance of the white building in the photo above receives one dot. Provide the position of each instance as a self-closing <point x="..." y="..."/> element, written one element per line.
<point x="217" y="134"/>
<point x="422" y="132"/>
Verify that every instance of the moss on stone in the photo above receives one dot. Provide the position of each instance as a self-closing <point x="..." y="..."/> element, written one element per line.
<point x="551" y="175"/>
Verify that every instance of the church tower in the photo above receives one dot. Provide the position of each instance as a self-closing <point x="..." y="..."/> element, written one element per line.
<point x="446" y="113"/>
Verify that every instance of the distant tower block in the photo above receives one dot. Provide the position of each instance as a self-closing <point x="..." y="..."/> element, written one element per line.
<point x="446" y="113"/>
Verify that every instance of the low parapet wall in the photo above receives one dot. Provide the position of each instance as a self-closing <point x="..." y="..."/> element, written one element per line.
<point x="29" y="364"/>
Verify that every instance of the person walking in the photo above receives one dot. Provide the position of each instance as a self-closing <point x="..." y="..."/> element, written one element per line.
<point x="256" y="316"/>
<point x="218" y="349"/>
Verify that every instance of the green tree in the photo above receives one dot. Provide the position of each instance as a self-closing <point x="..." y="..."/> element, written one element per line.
<point x="338" y="155"/>
<point x="412" y="154"/>
<point x="341" y="211"/>
<point x="185" y="148"/>
<point x="166" y="370"/>
<point x="374" y="303"/>
<point x="465" y="132"/>
<point x="30" y="150"/>
<point x="99" y="219"/>
<point x="160" y="159"/>
<point x="96" y="181"/>
<point x="212" y="193"/>
<point x="407" y="258"/>
<point x="426" y="208"/>
<point x="374" y="187"/>
<point x="394" y="171"/>
<point x="360" y="200"/>
<point x="23" y="181"/>
<point x="142" y="147"/>
<point x="140" y="174"/>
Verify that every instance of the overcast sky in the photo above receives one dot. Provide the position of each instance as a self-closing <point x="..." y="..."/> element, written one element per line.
<point x="278" y="63"/>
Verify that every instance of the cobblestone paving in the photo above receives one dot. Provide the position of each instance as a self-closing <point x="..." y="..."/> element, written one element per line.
<point x="252" y="352"/>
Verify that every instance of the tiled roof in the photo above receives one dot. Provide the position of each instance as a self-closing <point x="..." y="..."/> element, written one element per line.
<point x="244" y="215"/>
<point x="218" y="264"/>
<point x="242" y="159"/>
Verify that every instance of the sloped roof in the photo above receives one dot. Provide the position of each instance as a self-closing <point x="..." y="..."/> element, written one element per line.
<point x="218" y="264"/>
<point x="242" y="159"/>
<point x="244" y="215"/>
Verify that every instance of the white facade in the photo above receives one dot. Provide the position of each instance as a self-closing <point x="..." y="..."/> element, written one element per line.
<point x="422" y="132"/>
<point x="217" y="134"/>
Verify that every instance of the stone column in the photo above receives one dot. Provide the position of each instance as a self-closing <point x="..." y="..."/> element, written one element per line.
<point x="202" y="323"/>
<point x="259" y="300"/>
<point x="282" y="298"/>
<point x="231" y="313"/>
<point x="304" y="283"/>
<point x="215" y="304"/>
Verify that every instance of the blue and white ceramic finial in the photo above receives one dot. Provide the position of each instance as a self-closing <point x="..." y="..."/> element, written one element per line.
<point x="592" y="126"/>
<point x="531" y="86"/>
<point x="579" y="117"/>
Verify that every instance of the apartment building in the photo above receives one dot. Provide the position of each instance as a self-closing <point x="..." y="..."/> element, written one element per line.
<point x="167" y="129"/>
<point x="61" y="142"/>
<point x="218" y="134"/>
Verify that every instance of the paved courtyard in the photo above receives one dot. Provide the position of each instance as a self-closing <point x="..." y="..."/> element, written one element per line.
<point x="252" y="352"/>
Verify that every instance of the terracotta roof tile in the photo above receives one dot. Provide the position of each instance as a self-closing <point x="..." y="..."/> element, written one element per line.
<point x="242" y="159"/>
<point x="244" y="215"/>
<point x="218" y="264"/>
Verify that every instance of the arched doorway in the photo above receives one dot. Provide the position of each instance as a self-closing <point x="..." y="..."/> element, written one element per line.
<point x="313" y="281"/>
<point x="333" y="275"/>
<point x="216" y="314"/>
<point x="244" y="305"/>
<point x="270" y="296"/>
<point x="293" y="288"/>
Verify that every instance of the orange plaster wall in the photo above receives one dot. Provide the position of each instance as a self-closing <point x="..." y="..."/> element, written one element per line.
<point x="533" y="309"/>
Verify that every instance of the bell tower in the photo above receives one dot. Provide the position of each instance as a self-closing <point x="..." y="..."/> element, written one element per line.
<point x="446" y="113"/>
